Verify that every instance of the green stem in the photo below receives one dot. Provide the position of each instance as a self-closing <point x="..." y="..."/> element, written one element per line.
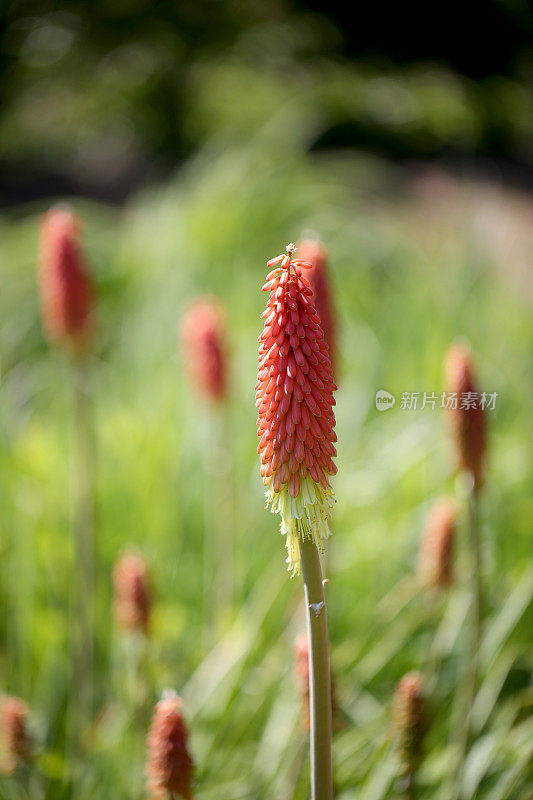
<point x="470" y="675"/>
<point x="219" y="544"/>
<point x="83" y="529"/>
<point x="410" y="791"/>
<point x="319" y="673"/>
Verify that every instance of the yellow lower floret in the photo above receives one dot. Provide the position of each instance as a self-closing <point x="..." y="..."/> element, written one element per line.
<point x="302" y="517"/>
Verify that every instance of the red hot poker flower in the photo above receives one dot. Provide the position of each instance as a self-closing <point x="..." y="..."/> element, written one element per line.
<point x="295" y="402"/>
<point x="315" y="253"/>
<point x="203" y="337"/>
<point x="436" y="549"/>
<point x="409" y="721"/>
<point x="66" y="294"/>
<point x="131" y="593"/>
<point x="467" y="421"/>
<point x="15" y="744"/>
<point x="169" y="767"/>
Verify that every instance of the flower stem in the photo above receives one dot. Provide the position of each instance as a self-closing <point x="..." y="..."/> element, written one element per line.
<point x="219" y="537"/>
<point x="410" y="789"/>
<point x="83" y="529"/>
<point x="319" y="673"/>
<point x="470" y="675"/>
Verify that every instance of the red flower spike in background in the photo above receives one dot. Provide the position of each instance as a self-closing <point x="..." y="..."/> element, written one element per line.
<point x="409" y="721"/>
<point x="131" y="593"/>
<point x="15" y="745"/>
<point x="295" y="402"/>
<point x="315" y="254"/>
<point x="169" y="767"/>
<point x="203" y="336"/>
<point x="65" y="289"/>
<point x="467" y="424"/>
<point x="436" y="548"/>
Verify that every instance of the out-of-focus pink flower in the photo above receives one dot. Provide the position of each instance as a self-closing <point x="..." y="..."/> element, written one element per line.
<point x="409" y="721"/>
<point x="65" y="289"/>
<point x="203" y="334"/>
<point x="467" y="419"/>
<point x="15" y="742"/>
<point x="131" y="593"/>
<point x="169" y="767"/>
<point x="436" y="548"/>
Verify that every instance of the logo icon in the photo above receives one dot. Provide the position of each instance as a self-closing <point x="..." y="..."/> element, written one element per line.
<point x="384" y="400"/>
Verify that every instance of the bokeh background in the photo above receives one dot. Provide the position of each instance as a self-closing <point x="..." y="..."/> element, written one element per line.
<point x="196" y="139"/>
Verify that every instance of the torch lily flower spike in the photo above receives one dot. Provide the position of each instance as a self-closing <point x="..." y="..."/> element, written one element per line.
<point x="295" y="403"/>
<point x="169" y="766"/>
<point x="65" y="286"/>
<point x="15" y="744"/>
<point x="409" y="723"/>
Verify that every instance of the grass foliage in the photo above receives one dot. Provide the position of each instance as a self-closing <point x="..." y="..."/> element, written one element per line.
<point x="414" y="264"/>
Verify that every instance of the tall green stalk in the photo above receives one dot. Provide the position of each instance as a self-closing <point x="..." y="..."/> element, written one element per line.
<point x="319" y="673"/>
<point x="219" y="537"/>
<point x="469" y="678"/>
<point x="410" y="792"/>
<point x="83" y="531"/>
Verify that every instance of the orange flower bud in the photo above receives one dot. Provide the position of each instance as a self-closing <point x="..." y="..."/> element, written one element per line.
<point x="409" y="721"/>
<point x="467" y="423"/>
<point x="169" y="767"/>
<point x="203" y="331"/>
<point x="66" y="294"/>
<point x="15" y="742"/>
<point x="131" y="593"/>
<point x="436" y="548"/>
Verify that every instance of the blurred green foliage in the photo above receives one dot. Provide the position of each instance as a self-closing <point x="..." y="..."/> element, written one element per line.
<point x="99" y="97"/>
<point x="414" y="264"/>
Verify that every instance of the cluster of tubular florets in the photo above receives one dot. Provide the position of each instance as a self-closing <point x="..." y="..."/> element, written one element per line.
<point x="294" y="399"/>
<point x="295" y="385"/>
